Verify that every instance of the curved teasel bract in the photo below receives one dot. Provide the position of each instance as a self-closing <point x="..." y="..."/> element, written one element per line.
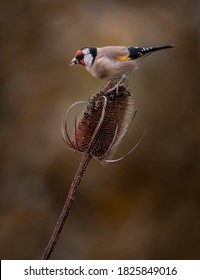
<point x="103" y="124"/>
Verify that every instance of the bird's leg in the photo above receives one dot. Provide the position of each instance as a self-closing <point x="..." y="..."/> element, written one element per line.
<point x="116" y="86"/>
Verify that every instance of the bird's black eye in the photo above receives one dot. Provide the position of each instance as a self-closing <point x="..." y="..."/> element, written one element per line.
<point x="80" y="56"/>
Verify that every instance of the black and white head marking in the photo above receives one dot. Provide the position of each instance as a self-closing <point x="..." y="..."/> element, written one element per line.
<point x="89" y="55"/>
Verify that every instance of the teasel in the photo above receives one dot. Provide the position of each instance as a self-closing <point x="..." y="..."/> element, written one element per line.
<point x="96" y="134"/>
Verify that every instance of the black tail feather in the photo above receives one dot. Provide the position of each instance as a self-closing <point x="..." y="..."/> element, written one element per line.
<point x="139" y="52"/>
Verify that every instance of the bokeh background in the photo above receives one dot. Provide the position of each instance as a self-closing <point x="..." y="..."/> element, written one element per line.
<point x="146" y="207"/>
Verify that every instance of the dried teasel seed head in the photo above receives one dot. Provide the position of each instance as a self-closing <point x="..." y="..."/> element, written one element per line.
<point x="103" y="124"/>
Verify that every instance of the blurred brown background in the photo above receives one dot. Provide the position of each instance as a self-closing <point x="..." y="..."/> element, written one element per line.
<point x="146" y="207"/>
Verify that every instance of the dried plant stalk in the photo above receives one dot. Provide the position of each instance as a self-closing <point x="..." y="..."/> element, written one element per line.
<point x="67" y="206"/>
<point x="97" y="134"/>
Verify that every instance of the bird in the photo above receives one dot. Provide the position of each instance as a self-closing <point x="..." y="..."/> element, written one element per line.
<point x="113" y="62"/>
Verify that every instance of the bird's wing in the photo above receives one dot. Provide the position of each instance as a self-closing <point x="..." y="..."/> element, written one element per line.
<point x="116" y="53"/>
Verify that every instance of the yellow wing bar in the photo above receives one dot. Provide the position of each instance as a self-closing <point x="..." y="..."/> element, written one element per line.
<point x="123" y="58"/>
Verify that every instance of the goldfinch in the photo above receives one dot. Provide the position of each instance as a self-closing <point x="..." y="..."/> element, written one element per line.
<point x="112" y="62"/>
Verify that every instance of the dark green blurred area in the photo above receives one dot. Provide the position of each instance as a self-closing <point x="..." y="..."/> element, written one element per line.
<point x="146" y="207"/>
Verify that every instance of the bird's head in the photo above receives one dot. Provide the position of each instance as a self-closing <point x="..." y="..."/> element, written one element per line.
<point x="84" y="56"/>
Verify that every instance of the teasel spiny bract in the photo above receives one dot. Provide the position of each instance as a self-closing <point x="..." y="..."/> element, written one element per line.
<point x="104" y="123"/>
<point x="97" y="133"/>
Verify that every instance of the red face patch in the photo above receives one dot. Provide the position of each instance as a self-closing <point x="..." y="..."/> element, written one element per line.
<point x="80" y="57"/>
<point x="79" y="53"/>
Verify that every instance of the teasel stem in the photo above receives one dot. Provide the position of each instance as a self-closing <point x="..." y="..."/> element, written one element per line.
<point x="74" y="187"/>
<point x="98" y="133"/>
<point x="67" y="206"/>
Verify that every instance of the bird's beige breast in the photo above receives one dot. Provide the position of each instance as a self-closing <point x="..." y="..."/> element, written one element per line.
<point x="105" y="68"/>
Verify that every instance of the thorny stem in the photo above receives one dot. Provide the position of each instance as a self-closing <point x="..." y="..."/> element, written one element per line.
<point x="75" y="184"/>
<point x="67" y="206"/>
<point x="94" y="143"/>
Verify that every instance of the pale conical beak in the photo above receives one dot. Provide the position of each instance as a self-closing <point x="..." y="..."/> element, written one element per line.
<point x="74" y="61"/>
